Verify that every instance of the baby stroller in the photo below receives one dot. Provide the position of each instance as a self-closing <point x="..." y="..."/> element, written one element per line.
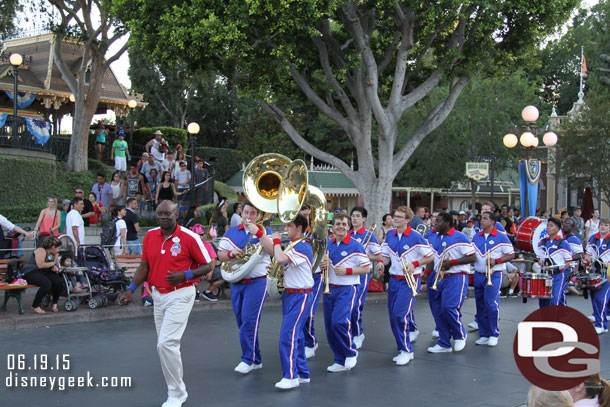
<point x="107" y="282"/>
<point x="74" y="297"/>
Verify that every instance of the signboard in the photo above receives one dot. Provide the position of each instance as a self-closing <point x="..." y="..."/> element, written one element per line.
<point x="477" y="171"/>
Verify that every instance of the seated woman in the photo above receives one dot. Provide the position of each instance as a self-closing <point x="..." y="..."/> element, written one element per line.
<point x="40" y="269"/>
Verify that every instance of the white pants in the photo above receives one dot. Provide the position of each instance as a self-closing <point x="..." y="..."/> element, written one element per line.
<point x="172" y="312"/>
<point x="120" y="163"/>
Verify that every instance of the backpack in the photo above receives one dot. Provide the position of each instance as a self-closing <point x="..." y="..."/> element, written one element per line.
<point x="108" y="235"/>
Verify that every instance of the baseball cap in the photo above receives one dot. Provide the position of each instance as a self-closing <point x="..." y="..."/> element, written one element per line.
<point x="462" y="213"/>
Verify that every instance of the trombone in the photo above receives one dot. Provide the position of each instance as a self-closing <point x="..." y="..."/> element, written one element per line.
<point x="439" y="270"/>
<point x="326" y="274"/>
<point x="370" y="231"/>
<point x="409" y="277"/>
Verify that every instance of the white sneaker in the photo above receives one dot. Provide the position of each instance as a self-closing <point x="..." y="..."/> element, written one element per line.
<point x="435" y="334"/>
<point x="304" y="380"/>
<point x="350" y="362"/>
<point x="174" y="401"/>
<point x="404" y="358"/>
<point x="599" y="330"/>
<point x="286" y="384"/>
<point x="459" y="344"/>
<point x="245" y="368"/>
<point x="473" y="326"/>
<point x="335" y="367"/>
<point x="311" y="352"/>
<point x="438" y="349"/>
<point x="358" y="341"/>
<point x="493" y="341"/>
<point x="591" y="318"/>
<point x="483" y="340"/>
<point x="413" y="335"/>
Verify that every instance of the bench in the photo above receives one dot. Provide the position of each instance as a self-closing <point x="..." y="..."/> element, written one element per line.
<point x="128" y="262"/>
<point x="11" y="291"/>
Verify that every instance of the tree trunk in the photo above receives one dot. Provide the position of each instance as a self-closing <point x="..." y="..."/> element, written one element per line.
<point x="377" y="196"/>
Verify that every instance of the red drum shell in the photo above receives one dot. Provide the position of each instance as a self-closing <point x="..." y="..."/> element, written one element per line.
<point x="524" y="238"/>
<point x="537" y="285"/>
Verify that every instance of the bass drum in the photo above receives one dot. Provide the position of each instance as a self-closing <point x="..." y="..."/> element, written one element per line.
<point x="529" y="234"/>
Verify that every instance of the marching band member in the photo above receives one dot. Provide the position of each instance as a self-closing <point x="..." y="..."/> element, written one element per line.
<point x="578" y="253"/>
<point x="486" y="207"/>
<point x="248" y="294"/>
<point x="453" y="254"/>
<point x="373" y="250"/>
<point x="296" y="302"/>
<point x="348" y="261"/>
<point x="492" y="244"/>
<point x="403" y="244"/>
<point x="599" y="248"/>
<point x="557" y="251"/>
<point x="434" y="300"/>
<point x="309" y="331"/>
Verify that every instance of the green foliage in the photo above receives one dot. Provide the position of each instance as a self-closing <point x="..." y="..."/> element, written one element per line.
<point x="226" y="162"/>
<point x="25" y="192"/>
<point x="586" y="146"/>
<point x="224" y="190"/>
<point x="172" y="135"/>
<point x="7" y="17"/>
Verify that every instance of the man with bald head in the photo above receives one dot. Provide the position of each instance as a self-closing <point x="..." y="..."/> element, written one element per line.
<point x="173" y="259"/>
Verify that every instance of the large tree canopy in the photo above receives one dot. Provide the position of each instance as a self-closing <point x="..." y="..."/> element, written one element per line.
<point x="362" y="64"/>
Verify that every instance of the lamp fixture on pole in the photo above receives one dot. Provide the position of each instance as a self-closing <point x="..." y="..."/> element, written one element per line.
<point x="193" y="130"/>
<point x="529" y="136"/>
<point x="16" y="60"/>
<point x="132" y="104"/>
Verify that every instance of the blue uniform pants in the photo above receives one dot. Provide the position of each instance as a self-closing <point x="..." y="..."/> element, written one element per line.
<point x="452" y="291"/>
<point x="487" y="299"/>
<point x="247" y="300"/>
<point x="434" y="299"/>
<point x="558" y="280"/>
<point x="309" y="330"/>
<point x="563" y="300"/>
<point x="361" y="291"/>
<point x="400" y="307"/>
<point x="295" y="307"/>
<point x="338" y="306"/>
<point x="411" y="318"/>
<point x="600" y="299"/>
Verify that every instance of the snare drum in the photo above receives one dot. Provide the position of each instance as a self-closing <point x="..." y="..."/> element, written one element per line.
<point x="537" y="285"/>
<point x="594" y="280"/>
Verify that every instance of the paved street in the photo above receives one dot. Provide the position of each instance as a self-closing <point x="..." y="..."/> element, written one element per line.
<point x="478" y="376"/>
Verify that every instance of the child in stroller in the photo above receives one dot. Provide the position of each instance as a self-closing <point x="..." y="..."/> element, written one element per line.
<point x="79" y="282"/>
<point x="107" y="282"/>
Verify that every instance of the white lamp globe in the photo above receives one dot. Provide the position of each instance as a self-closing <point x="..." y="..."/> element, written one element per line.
<point x="72" y="98"/>
<point x="15" y="59"/>
<point x="193" y="128"/>
<point x="535" y="141"/>
<point x="529" y="114"/>
<point x="526" y="139"/>
<point x="549" y="139"/>
<point x="510" y="140"/>
<point x="132" y="104"/>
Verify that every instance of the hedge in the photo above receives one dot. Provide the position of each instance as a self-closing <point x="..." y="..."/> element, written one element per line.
<point x="226" y="162"/>
<point x="26" y="184"/>
<point x="172" y="135"/>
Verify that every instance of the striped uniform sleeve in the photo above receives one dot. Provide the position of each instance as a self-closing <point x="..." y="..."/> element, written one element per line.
<point x="198" y="251"/>
<point x="296" y="257"/>
<point x="506" y="246"/>
<point x="227" y="244"/>
<point x="385" y="250"/>
<point x="591" y="250"/>
<point x="373" y="248"/>
<point x="423" y="248"/>
<point x="576" y="248"/>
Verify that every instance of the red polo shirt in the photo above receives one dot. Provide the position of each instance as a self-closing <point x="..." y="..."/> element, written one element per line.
<point x="181" y="251"/>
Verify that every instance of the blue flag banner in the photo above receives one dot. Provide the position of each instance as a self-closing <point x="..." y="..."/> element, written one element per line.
<point x="533" y="171"/>
<point x="23" y="99"/>
<point x="39" y="129"/>
<point x="3" y="117"/>
<point x="523" y="189"/>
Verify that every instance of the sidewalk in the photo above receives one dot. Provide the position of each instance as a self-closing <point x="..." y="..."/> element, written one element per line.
<point x="11" y="320"/>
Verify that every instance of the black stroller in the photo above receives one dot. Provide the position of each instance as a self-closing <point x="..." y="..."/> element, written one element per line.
<point x="107" y="282"/>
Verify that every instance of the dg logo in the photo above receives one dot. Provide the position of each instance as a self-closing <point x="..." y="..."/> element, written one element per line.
<point x="556" y="348"/>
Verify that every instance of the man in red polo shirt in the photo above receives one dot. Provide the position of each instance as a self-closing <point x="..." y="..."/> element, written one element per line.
<point x="173" y="259"/>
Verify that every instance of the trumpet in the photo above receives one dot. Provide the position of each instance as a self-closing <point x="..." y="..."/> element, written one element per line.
<point x="409" y="277"/>
<point x="326" y="275"/>
<point x="439" y="271"/>
<point x="489" y="271"/>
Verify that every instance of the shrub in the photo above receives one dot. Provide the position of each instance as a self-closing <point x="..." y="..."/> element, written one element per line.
<point x="226" y="162"/>
<point x="172" y="135"/>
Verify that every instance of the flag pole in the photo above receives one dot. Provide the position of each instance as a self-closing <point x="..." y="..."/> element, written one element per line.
<point x="582" y="54"/>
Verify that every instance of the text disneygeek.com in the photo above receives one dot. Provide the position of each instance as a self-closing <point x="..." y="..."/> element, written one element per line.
<point x="24" y="371"/>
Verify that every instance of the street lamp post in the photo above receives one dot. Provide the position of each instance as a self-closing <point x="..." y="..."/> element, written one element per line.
<point x="16" y="60"/>
<point x="132" y="105"/>
<point x="193" y="129"/>
<point x="529" y="137"/>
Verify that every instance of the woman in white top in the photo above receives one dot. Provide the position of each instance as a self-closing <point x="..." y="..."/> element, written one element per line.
<point x="118" y="189"/>
<point x="592" y="225"/>
<point x="120" y="245"/>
